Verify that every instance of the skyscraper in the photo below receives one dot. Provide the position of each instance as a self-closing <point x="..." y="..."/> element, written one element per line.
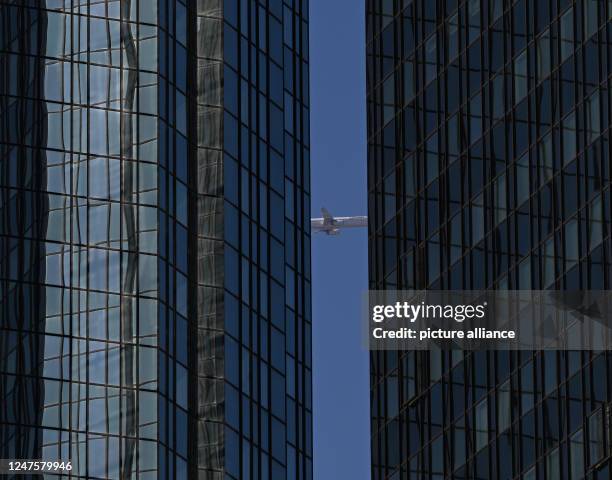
<point x="489" y="168"/>
<point x="155" y="315"/>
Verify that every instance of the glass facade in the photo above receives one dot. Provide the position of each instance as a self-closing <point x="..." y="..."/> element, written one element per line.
<point x="489" y="168"/>
<point x="155" y="316"/>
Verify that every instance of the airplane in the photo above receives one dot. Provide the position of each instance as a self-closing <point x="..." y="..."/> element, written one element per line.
<point x="332" y="225"/>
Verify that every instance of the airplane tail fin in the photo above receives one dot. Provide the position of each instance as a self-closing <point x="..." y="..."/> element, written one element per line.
<point x="327" y="217"/>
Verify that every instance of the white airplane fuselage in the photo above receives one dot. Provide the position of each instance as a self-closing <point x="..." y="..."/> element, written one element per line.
<point x="335" y="224"/>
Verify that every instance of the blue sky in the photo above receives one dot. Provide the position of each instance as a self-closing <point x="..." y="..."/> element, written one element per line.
<point x="338" y="153"/>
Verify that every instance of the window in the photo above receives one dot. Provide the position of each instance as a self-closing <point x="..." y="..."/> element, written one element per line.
<point x="546" y="159"/>
<point x="590" y="17"/>
<point x="571" y="244"/>
<point x="595" y="223"/>
<point x="58" y="34"/>
<point x="552" y="465"/>
<point x="455" y="236"/>
<point x="390" y="197"/>
<point x="527" y="390"/>
<point x="232" y="452"/>
<point x="474" y="19"/>
<point x="104" y="132"/>
<point x="522" y="179"/>
<point x="147" y="48"/>
<point x="431" y="60"/>
<point x="567" y="34"/>
<point x="497" y="86"/>
<point x="409" y="377"/>
<point x="388" y="90"/>
<point x="596" y="437"/>
<point x="410" y="176"/>
<point x="500" y="199"/>
<point x="525" y="274"/>
<point x="278" y="439"/>
<point x="577" y="455"/>
<point x="477" y="219"/>
<point x="147" y="367"/>
<point x="409" y="87"/>
<point x="548" y="279"/>
<point x="181" y="21"/>
<point x="496" y="9"/>
<point x="433" y="258"/>
<point x="410" y="139"/>
<point x="569" y="138"/>
<point x="392" y="395"/>
<point x="387" y="12"/>
<point x="550" y="371"/>
<point x="104" y="86"/>
<point x="435" y="365"/>
<point x="408" y="31"/>
<point x="504" y="413"/>
<point x="520" y="77"/>
<point x="459" y="447"/>
<point x="453" y="37"/>
<point x="431" y="153"/>
<point x="482" y="425"/>
<point x="475" y="118"/>
<point x="593" y="128"/>
<point x="276" y="127"/>
<point x="543" y="55"/>
<point x="437" y="455"/>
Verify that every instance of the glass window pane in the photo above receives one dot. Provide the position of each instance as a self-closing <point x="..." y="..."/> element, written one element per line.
<point x="500" y="199"/>
<point x="482" y="425"/>
<point x="552" y="465"/>
<point x="577" y="455"/>
<point x="543" y="55"/>
<point x="409" y="89"/>
<point x="571" y="243"/>
<point x="437" y="455"/>
<point x="503" y="407"/>
<point x="459" y="449"/>
<point x="520" y="77"/>
<point x="497" y="85"/>
<point x="596" y="437"/>
<point x="435" y="364"/>
<point x="527" y="390"/>
<point x="593" y="127"/>
<point x="453" y="37"/>
<point x="455" y="235"/>
<point x="549" y="278"/>
<point x="546" y="159"/>
<point x="595" y="223"/>
<point x="474" y="19"/>
<point x="496" y="9"/>
<point x="475" y="118"/>
<point x="522" y="179"/>
<point x="590" y="17"/>
<point x="569" y="138"/>
<point x="567" y="34"/>
<point x="525" y="274"/>
<point x="477" y="219"/>
<point x="431" y="61"/>
<point x="388" y="98"/>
